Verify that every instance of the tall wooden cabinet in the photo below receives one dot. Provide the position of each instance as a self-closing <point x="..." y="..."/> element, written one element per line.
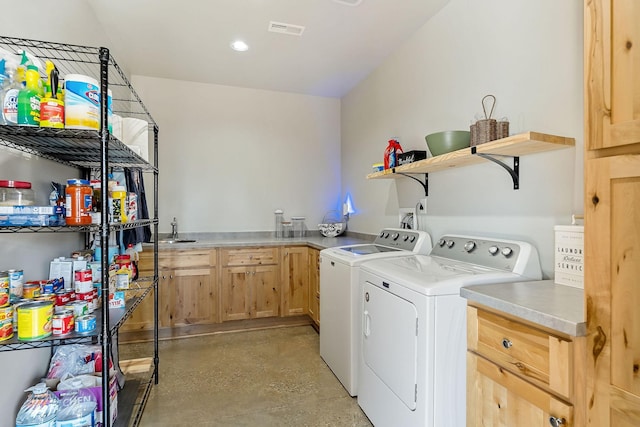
<point x="612" y="211"/>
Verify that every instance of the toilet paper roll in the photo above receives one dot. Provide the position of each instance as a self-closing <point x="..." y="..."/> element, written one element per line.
<point x="135" y="133"/>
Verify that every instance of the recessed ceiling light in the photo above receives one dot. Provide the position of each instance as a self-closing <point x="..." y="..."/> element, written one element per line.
<point x="239" y="46"/>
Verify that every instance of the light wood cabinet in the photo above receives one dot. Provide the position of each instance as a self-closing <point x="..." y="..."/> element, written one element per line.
<point x="519" y="374"/>
<point x="187" y="290"/>
<point x="250" y="283"/>
<point x="294" y="273"/>
<point x="612" y="211"/>
<point x="314" y="285"/>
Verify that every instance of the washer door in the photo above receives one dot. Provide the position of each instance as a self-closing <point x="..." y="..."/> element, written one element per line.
<point x="390" y="342"/>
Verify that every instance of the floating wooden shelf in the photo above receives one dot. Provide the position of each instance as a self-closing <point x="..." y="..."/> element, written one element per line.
<point x="513" y="146"/>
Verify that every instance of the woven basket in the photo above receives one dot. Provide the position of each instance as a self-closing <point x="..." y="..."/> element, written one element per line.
<point x="487" y="129"/>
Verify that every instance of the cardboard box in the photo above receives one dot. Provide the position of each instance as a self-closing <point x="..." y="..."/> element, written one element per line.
<point x="31" y="220"/>
<point x="569" y="255"/>
<point x="411" y="156"/>
<point x="32" y="210"/>
<point x="117" y="299"/>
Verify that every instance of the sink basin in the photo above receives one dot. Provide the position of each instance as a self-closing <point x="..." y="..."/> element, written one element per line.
<point x="176" y="241"/>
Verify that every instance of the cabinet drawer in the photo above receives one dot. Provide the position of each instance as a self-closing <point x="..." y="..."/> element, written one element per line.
<point x="529" y="352"/>
<point x="249" y="256"/>
<point x="497" y="397"/>
<point x="186" y="258"/>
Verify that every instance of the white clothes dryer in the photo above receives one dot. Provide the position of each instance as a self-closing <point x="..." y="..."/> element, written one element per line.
<point x="413" y="340"/>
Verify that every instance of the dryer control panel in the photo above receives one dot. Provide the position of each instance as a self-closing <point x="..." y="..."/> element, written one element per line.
<point x="507" y="255"/>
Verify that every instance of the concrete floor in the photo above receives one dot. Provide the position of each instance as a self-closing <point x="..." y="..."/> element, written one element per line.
<point x="272" y="377"/>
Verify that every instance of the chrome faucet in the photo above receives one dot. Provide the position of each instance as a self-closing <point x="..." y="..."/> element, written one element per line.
<point x="174" y="229"/>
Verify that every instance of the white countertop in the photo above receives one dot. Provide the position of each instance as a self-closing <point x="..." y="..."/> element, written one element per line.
<point x="544" y="302"/>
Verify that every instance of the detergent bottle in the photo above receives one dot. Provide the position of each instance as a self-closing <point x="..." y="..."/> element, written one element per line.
<point x="29" y="98"/>
<point x="390" y="154"/>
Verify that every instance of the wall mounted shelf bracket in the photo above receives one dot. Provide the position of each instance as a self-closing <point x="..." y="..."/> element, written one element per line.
<point x="425" y="183"/>
<point x="514" y="172"/>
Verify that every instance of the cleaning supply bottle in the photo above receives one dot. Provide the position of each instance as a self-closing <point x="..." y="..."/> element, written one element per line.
<point x="40" y="409"/>
<point x="9" y="98"/>
<point x="391" y="153"/>
<point x="4" y="85"/>
<point x="29" y="99"/>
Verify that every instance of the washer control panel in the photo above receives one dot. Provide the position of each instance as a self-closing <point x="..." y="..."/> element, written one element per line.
<point x="409" y="240"/>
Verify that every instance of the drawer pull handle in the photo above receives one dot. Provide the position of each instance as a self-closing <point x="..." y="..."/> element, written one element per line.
<point x="557" y="422"/>
<point x="506" y="343"/>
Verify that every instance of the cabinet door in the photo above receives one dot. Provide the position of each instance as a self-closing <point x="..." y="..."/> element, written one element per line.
<point x="194" y="298"/>
<point x="142" y="317"/>
<point x="612" y="272"/>
<point x="612" y="67"/>
<point x="236" y="294"/>
<point x="265" y="291"/>
<point x="295" y="281"/>
<point x="314" y="285"/>
<point x="498" y="398"/>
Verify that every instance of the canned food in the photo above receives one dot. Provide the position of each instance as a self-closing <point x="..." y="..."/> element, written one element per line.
<point x="16" y="282"/>
<point x="85" y="324"/>
<point x="16" y="304"/>
<point x="46" y="297"/>
<point x="83" y="280"/>
<point x="88" y="298"/>
<point x="63" y="297"/>
<point x="34" y="319"/>
<point x="6" y="323"/>
<point x="63" y="323"/>
<point x="32" y="288"/>
<point x="4" y="288"/>
<point x="78" y="308"/>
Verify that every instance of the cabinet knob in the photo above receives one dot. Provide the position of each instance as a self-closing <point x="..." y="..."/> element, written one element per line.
<point x="557" y="422"/>
<point x="506" y="343"/>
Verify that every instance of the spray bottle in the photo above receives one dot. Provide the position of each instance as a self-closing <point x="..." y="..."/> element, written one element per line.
<point x="4" y="85"/>
<point x="29" y="98"/>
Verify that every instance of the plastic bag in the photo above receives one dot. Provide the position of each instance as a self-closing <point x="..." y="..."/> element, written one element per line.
<point x="75" y="359"/>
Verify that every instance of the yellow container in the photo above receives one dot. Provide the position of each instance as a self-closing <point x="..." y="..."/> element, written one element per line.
<point x="118" y="204"/>
<point x="35" y="320"/>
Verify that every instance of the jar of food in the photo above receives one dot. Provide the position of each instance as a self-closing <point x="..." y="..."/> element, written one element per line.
<point x="78" y="202"/>
<point x="16" y="193"/>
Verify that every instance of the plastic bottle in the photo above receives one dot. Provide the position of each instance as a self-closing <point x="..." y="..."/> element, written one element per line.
<point x="40" y="408"/>
<point x="29" y="99"/>
<point x="119" y="204"/>
<point x="10" y="98"/>
<point x="78" y="406"/>
<point x="4" y="85"/>
<point x="79" y="197"/>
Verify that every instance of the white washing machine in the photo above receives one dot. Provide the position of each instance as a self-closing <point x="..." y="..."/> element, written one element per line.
<point x="413" y="340"/>
<point x="339" y="302"/>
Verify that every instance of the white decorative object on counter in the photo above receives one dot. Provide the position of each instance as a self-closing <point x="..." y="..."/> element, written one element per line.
<point x="569" y="255"/>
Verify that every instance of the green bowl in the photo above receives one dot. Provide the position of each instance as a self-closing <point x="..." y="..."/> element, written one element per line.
<point x="447" y="141"/>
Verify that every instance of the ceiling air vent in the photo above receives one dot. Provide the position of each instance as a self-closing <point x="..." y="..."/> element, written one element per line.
<point x="279" y="27"/>
<point x="349" y="2"/>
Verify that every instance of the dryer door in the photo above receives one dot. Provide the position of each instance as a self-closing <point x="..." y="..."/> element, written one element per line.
<point x="390" y="342"/>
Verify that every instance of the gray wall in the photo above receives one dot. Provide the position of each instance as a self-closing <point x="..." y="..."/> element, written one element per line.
<point x="32" y="252"/>
<point x="527" y="54"/>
